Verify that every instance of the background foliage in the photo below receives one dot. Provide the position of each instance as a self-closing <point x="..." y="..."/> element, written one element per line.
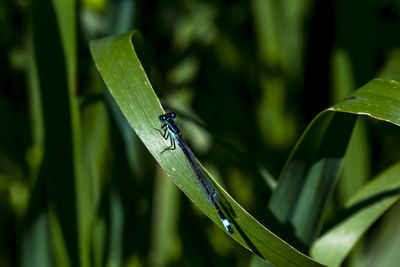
<point x="77" y="187"/>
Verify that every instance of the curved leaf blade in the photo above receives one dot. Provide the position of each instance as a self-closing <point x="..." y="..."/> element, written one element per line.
<point x="116" y="60"/>
<point x="379" y="99"/>
<point x="310" y="174"/>
<point x="365" y="207"/>
<point x="53" y="45"/>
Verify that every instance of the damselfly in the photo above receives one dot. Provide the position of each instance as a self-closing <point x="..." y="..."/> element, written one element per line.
<point x="172" y="131"/>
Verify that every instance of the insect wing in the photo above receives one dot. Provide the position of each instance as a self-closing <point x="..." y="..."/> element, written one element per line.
<point x="202" y="183"/>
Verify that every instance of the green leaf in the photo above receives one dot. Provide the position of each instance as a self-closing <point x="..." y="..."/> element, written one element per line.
<point x="384" y="248"/>
<point x="95" y="152"/>
<point x="379" y="99"/>
<point x="117" y="62"/>
<point x="117" y="219"/>
<point x="310" y="174"/>
<point x="356" y="165"/>
<point x="54" y="44"/>
<point x="365" y="208"/>
<point x="36" y="249"/>
<point x="164" y="228"/>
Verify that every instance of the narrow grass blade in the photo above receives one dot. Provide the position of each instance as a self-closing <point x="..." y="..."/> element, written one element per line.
<point x="310" y="174"/>
<point x="55" y="60"/>
<point x="364" y="209"/>
<point x="116" y="60"/>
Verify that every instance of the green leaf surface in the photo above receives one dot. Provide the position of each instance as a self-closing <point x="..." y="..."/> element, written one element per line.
<point x="116" y="60"/>
<point x="356" y="162"/>
<point x="58" y="173"/>
<point x="384" y="248"/>
<point x="365" y="208"/>
<point x="164" y="226"/>
<point x="95" y="152"/>
<point x="379" y="99"/>
<point x="36" y="249"/>
<point x="309" y="176"/>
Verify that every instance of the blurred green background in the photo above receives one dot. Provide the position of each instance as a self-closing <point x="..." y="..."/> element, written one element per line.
<point x="77" y="188"/>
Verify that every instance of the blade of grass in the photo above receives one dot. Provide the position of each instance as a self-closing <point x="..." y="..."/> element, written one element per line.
<point x="59" y="172"/>
<point x="365" y="208"/>
<point x="384" y="248"/>
<point x="127" y="82"/>
<point x="356" y="162"/>
<point x="37" y="245"/>
<point x="307" y="180"/>
<point x="95" y="157"/>
<point x="166" y="199"/>
<point x="116" y="231"/>
<point x="65" y="12"/>
<point x="35" y="154"/>
<point x="378" y="99"/>
<point x="309" y="175"/>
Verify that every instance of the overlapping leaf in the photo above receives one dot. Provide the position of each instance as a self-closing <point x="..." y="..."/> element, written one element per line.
<point x="127" y="82"/>
<point x="307" y="179"/>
